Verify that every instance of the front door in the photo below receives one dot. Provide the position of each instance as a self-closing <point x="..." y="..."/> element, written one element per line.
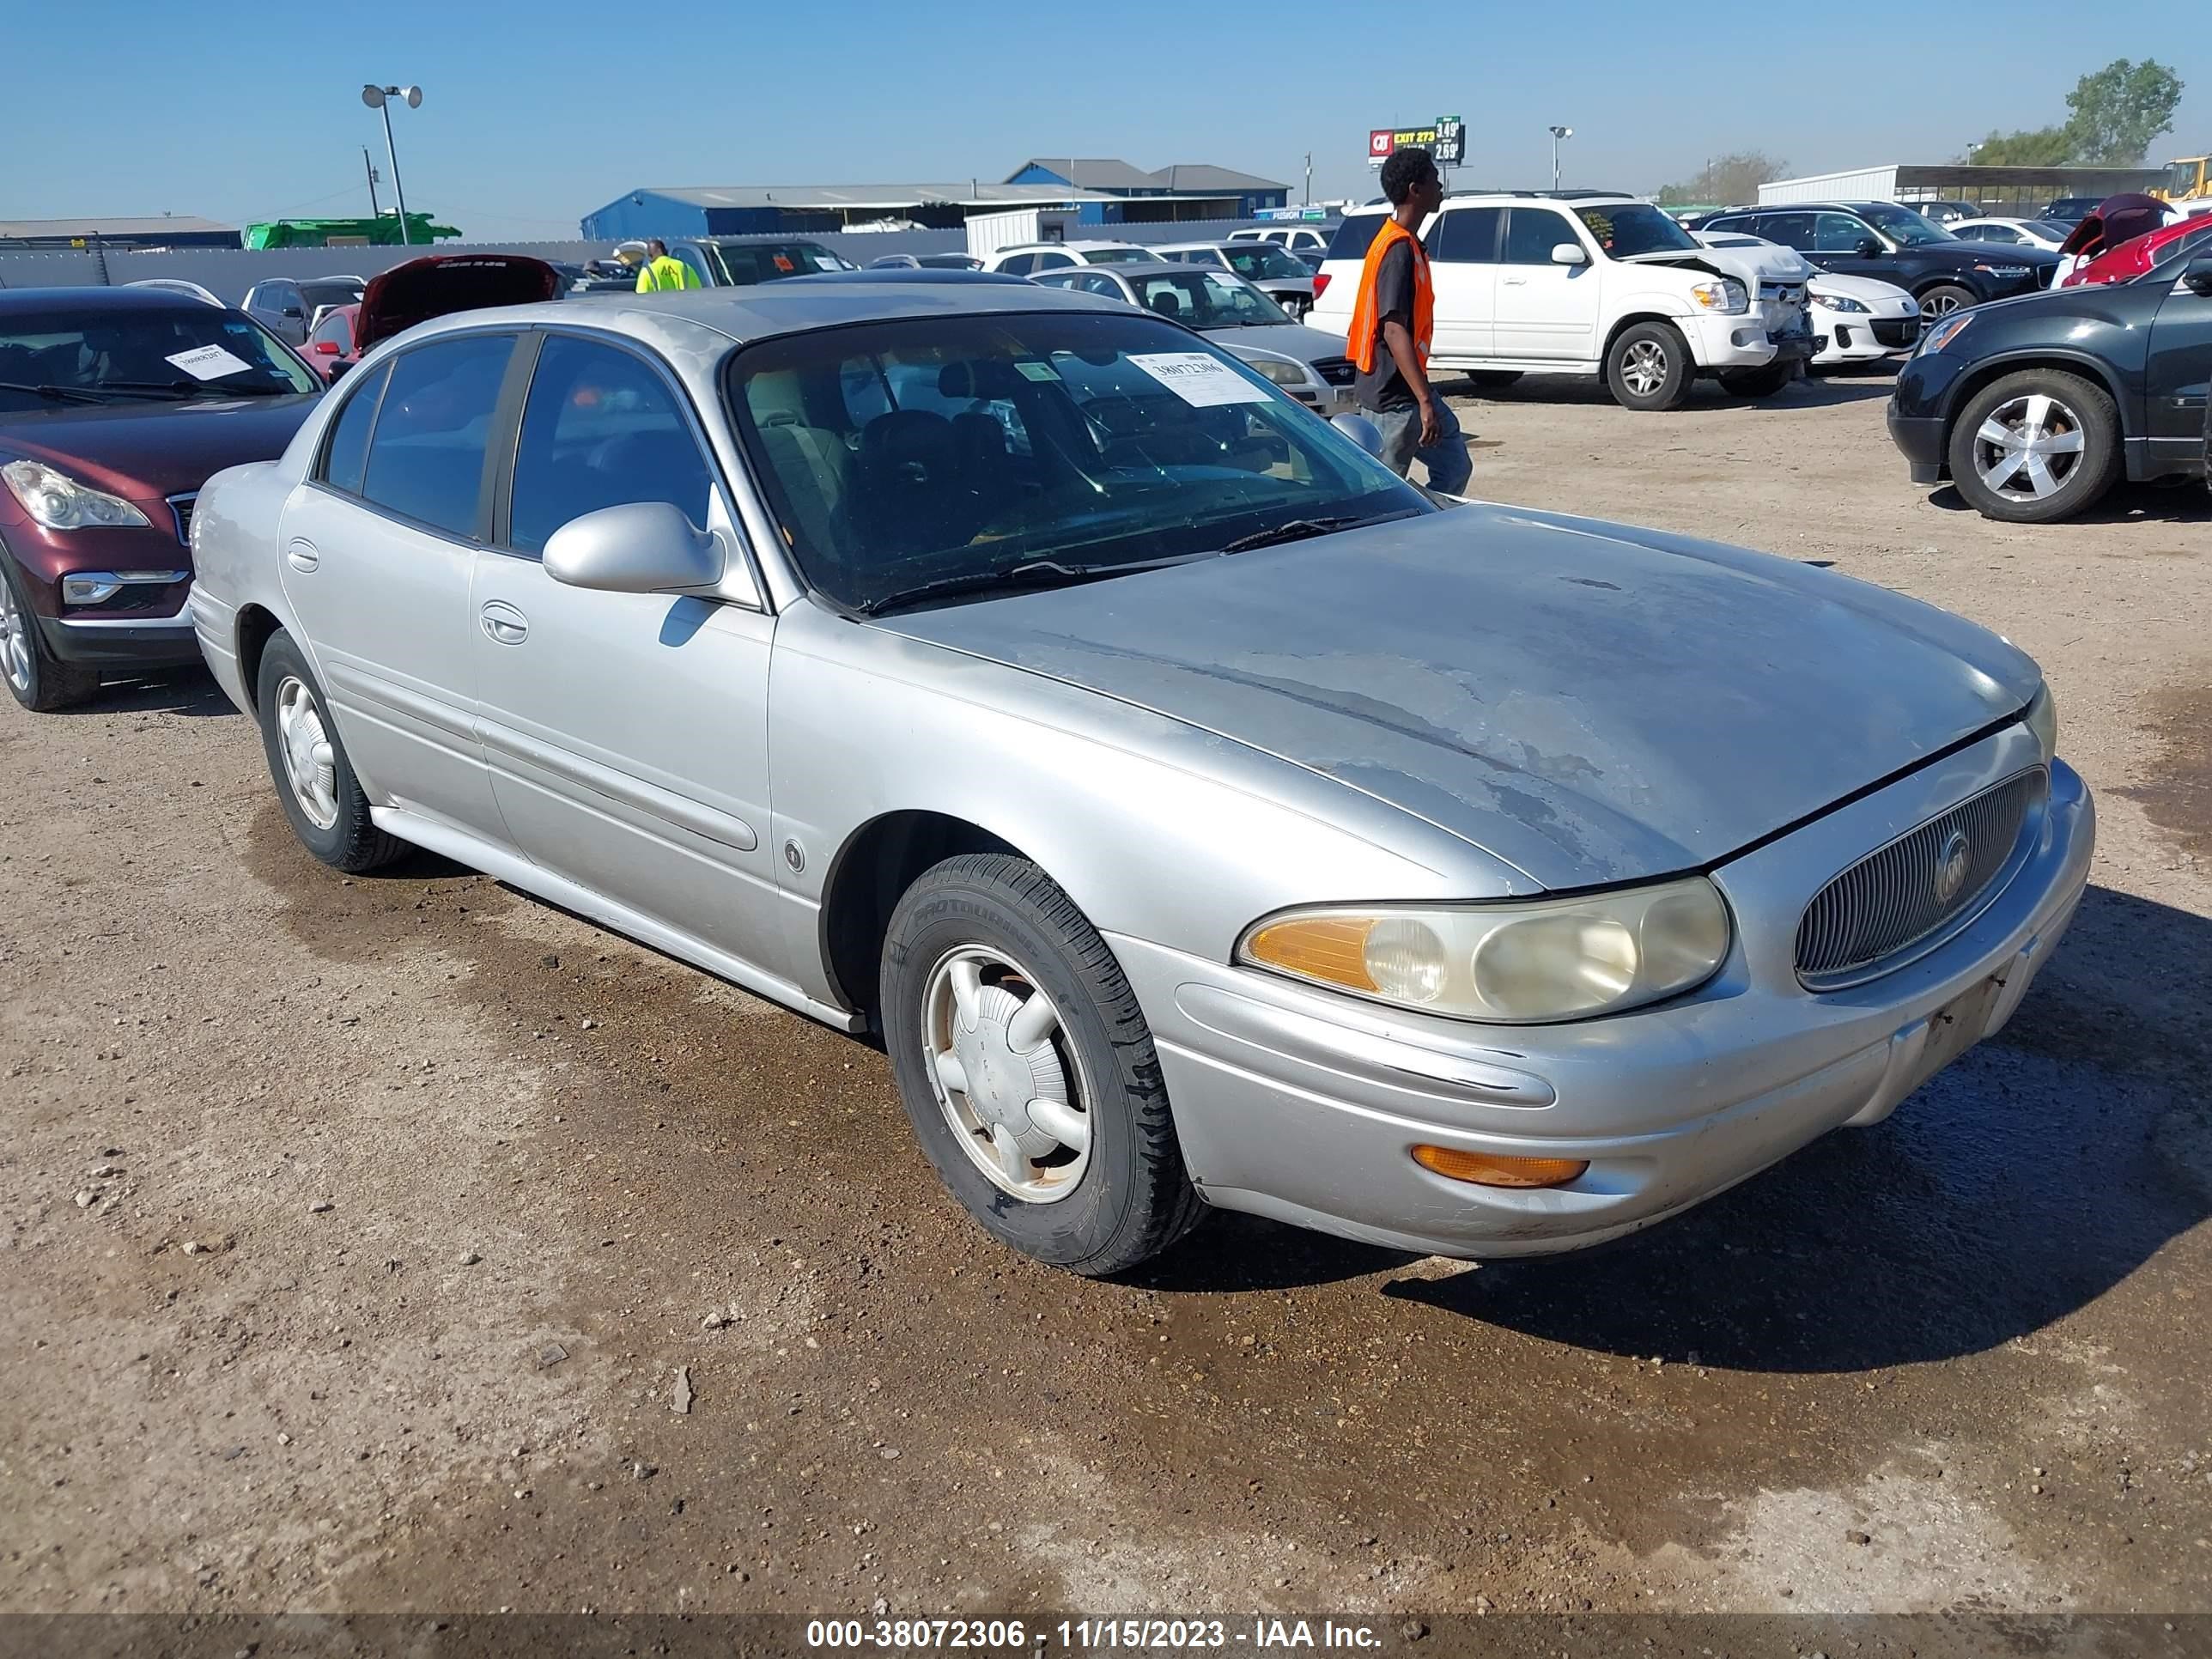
<point x="378" y="550"/>
<point x="2177" y="372"/>
<point x="626" y="732"/>
<point x="1462" y="246"/>
<point x="1544" y="310"/>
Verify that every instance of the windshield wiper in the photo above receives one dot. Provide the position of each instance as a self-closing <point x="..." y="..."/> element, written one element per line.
<point x="59" y="394"/>
<point x="1037" y="573"/>
<point x="1294" y="530"/>
<point x="196" y="388"/>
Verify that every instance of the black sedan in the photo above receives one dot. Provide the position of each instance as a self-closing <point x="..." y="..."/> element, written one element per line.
<point x="2033" y="409"/>
<point x="1892" y="244"/>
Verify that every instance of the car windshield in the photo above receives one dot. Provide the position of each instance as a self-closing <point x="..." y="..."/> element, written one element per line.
<point x="902" y="455"/>
<point x="766" y="262"/>
<point x="339" y="291"/>
<point x="950" y="262"/>
<point x="1115" y="256"/>
<point x="1901" y="225"/>
<point x="1625" y="229"/>
<point x="1257" y="260"/>
<point x="1204" y="298"/>
<point x="109" y="353"/>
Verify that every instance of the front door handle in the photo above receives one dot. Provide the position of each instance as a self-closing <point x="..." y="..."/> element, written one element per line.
<point x="301" y="555"/>
<point x="503" y="623"/>
<point x="1513" y="282"/>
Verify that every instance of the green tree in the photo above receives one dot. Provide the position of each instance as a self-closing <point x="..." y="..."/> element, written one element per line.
<point x="2035" y="147"/>
<point x="1726" y="180"/>
<point x="2117" y="110"/>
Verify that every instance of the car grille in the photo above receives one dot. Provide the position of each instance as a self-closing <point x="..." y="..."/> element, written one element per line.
<point x="1896" y="331"/>
<point x="1337" y="371"/>
<point x="2045" y="275"/>
<point x="1869" y="920"/>
<point x="182" y="507"/>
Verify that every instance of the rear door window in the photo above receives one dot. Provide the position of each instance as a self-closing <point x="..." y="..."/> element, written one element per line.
<point x="1353" y="235"/>
<point x="426" y="458"/>
<point x="1468" y="236"/>
<point x="600" y="428"/>
<point x="1792" y="229"/>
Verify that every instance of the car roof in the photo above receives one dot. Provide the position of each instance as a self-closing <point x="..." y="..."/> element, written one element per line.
<point x="764" y="310"/>
<point x="1026" y="248"/>
<point x="18" y="300"/>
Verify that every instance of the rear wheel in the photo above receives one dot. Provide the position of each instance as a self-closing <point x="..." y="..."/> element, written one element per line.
<point x="2035" y="446"/>
<point x="1648" y="366"/>
<point x="1028" y="1070"/>
<point x="315" y="782"/>
<point x="1941" y="300"/>
<point x="1758" y="382"/>
<point x="40" y="681"/>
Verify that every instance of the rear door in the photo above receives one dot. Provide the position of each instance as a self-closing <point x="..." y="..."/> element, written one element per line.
<point x="1545" y="310"/>
<point x="626" y="732"/>
<point x="378" y="548"/>
<point x="1462" y="247"/>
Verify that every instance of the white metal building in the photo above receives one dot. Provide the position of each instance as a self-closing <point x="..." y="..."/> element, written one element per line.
<point x="1900" y="181"/>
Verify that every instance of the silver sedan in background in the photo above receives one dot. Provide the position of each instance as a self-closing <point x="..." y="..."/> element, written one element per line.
<point x="1203" y="817"/>
<point x="1307" y="363"/>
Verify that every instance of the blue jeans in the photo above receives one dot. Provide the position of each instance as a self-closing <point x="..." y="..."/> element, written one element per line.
<point x="1449" y="469"/>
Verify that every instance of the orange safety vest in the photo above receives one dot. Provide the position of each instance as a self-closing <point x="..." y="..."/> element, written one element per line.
<point x="1363" y="333"/>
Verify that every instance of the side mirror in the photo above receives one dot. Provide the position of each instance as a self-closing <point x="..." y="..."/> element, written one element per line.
<point x="1868" y="248"/>
<point x="1362" y="431"/>
<point x="339" y="367"/>
<point x="2197" y="277"/>
<point x="641" y="547"/>
<point x="1570" y="253"/>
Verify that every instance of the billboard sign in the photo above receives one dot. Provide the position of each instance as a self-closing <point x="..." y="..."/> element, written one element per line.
<point x="1444" y="138"/>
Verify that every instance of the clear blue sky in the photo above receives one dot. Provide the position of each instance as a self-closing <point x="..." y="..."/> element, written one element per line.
<point x="536" y="113"/>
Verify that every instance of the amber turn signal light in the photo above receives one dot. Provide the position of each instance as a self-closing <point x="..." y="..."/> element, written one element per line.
<point x="1488" y="1170"/>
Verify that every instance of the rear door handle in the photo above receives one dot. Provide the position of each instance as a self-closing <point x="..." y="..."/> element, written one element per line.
<point x="1513" y="282"/>
<point x="301" y="555"/>
<point x="503" y="623"/>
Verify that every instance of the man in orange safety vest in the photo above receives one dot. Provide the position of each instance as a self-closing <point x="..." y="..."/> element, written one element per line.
<point x="1393" y="321"/>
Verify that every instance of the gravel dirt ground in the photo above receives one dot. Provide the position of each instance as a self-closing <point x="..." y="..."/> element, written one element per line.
<point x="405" y="1244"/>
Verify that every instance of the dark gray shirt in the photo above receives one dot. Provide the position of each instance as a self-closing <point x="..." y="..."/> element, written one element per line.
<point x="1383" y="387"/>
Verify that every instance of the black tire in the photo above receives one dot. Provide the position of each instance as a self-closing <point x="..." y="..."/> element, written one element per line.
<point x="2077" y="404"/>
<point x="1655" y="351"/>
<point x="38" y="679"/>
<point x="1758" y="382"/>
<point x="1493" y="379"/>
<point x="1944" y="298"/>
<point x="351" y="841"/>
<point x="1132" y="1198"/>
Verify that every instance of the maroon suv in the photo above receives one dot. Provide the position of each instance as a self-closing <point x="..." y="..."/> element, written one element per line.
<point x="116" y="405"/>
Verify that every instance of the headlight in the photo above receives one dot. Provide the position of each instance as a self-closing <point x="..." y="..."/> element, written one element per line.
<point x="1727" y="294"/>
<point x="1837" y="302"/>
<point x="1280" y="370"/>
<point x="1516" y="963"/>
<point x="2042" y="718"/>
<point x="60" y="503"/>
<point x="1944" y="333"/>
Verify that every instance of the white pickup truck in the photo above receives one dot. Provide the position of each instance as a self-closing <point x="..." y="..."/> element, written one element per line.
<point x="1588" y="283"/>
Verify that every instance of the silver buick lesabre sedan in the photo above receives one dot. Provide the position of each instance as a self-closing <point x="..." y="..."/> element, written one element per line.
<point x="1202" y="815"/>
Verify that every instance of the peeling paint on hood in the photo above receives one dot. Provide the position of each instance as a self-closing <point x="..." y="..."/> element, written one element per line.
<point x="1589" y="702"/>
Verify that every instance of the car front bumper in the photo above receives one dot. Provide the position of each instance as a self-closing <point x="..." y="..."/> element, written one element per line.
<point x="1855" y="337"/>
<point x="1304" y="1106"/>
<point x="131" y="641"/>
<point x="1743" y="341"/>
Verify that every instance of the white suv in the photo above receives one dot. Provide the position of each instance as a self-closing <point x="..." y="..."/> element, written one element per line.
<point x="1027" y="259"/>
<point x="1586" y="282"/>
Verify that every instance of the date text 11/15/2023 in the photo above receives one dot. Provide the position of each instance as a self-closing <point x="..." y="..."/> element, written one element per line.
<point x="1087" y="1635"/>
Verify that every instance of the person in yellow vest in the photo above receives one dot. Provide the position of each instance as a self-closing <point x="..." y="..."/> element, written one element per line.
<point x="662" y="274"/>
<point x="1393" y="321"/>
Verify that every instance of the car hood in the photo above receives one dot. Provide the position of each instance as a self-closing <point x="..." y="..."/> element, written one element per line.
<point x="1867" y="290"/>
<point x="154" y="449"/>
<point x="1749" y="266"/>
<point x="1308" y="345"/>
<point x="1588" y="702"/>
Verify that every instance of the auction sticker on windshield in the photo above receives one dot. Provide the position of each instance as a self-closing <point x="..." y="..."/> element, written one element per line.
<point x="1199" y="379"/>
<point x="208" y="362"/>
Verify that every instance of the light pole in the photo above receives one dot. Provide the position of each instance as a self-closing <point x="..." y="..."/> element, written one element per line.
<point x="379" y="99"/>
<point x="1558" y="133"/>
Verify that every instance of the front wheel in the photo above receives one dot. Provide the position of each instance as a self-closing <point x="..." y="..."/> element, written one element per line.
<point x="315" y="783"/>
<point x="1028" y="1069"/>
<point x="1757" y="382"/>
<point x="40" y="681"/>
<point x="2035" y="446"/>
<point x="1648" y="366"/>
<point x="1941" y="300"/>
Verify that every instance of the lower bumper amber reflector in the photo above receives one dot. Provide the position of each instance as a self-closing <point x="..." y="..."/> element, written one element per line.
<point x="1488" y="1170"/>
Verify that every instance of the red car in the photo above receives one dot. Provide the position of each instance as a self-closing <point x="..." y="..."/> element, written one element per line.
<point x="116" y="405"/>
<point x="430" y="286"/>
<point x="2130" y="259"/>
<point x="330" y="342"/>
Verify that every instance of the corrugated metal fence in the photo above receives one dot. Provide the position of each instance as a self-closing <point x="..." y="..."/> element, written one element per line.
<point x="228" y="273"/>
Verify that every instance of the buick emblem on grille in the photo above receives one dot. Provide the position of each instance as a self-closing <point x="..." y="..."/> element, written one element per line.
<point x="1951" y="864"/>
